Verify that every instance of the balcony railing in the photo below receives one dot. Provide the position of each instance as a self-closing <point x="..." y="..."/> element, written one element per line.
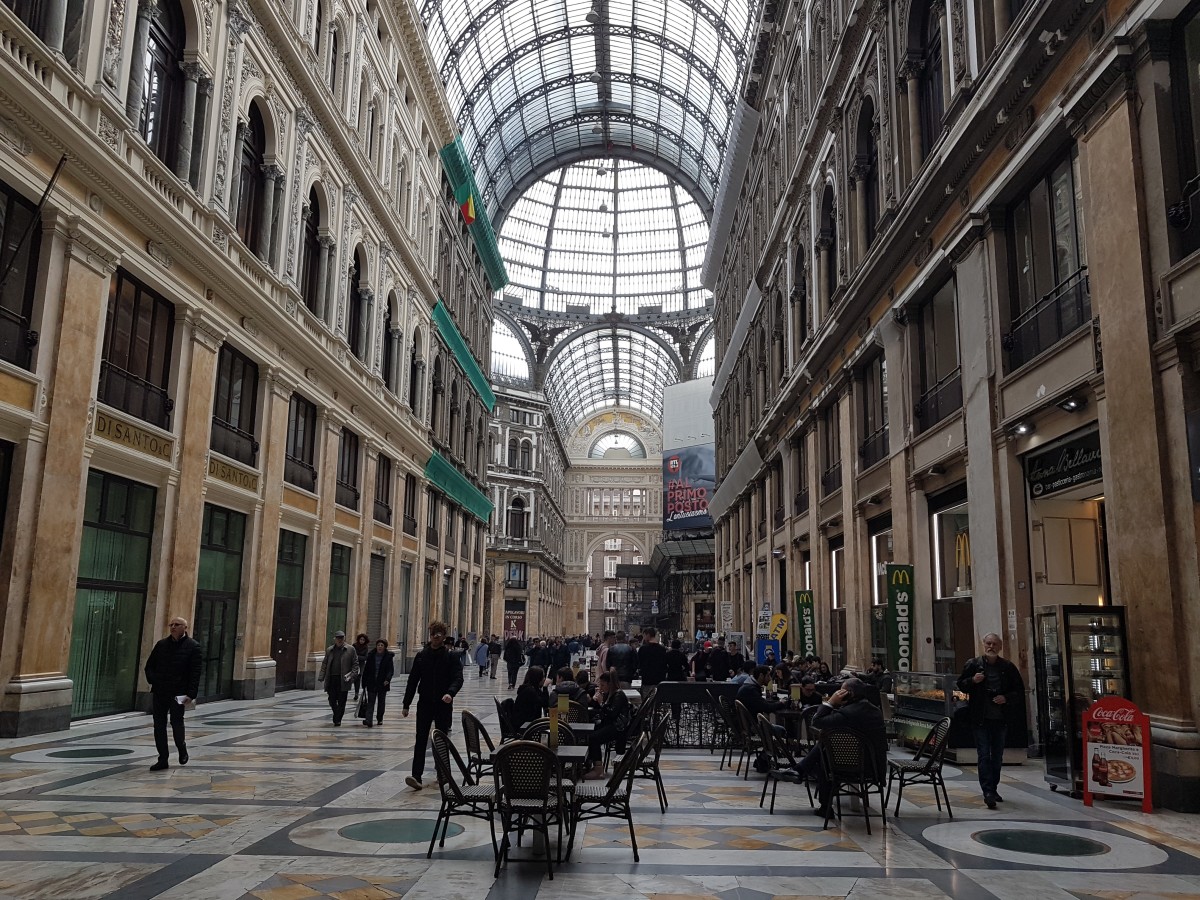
<point x="874" y="448"/>
<point x="940" y="400"/>
<point x="231" y="441"/>
<point x="346" y="495"/>
<point x="410" y="525"/>
<point x="16" y="339"/>
<point x="779" y="517"/>
<point x="431" y="536"/>
<point x="1060" y="313"/>
<point x="831" y="479"/>
<point x="383" y="512"/>
<point x="136" y="396"/>
<point x="802" y="501"/>
<point x="762" y="530"/>
<point x="298" y="472"/>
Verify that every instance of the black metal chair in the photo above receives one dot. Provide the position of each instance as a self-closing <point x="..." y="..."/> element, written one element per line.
<point x="721" y="731"/>
<point x="638" y="724"/>
<point x="751" y="742"/>
<point x="578" y="714"/>
<point x="783" y="762"/>
<point x="924" y="768"/>
<point x="538" y="727"/>
<point x="479" y="764"/>
<point x="611" y="799"/>
<point x="732" y="734"/>
<point x="529" y="794"/>
<point x="647" y="768"/>
<point x="465" y="799"/>
<point x="508" y="730"/>
<point x="851" y="771"/>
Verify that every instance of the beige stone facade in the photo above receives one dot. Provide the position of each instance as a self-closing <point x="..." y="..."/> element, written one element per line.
<point x="961" y="262"/>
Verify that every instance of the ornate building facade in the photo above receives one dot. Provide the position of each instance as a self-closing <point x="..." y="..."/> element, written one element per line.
<point x="240" y="348"/>
<point x="955" y="296"/>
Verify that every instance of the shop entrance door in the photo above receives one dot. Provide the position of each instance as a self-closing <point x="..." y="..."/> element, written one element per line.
<point x="285" y="642"/>
<point x="216" y="628"/>
<point x="375" y="588"/>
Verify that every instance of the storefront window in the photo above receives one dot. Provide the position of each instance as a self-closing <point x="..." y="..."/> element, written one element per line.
<point x="881" y="555"/>
<point x="837" y="616"/>
<point x="953" y="618"/>
<point x="339" y="589"/>
<point x="218" y="592"/>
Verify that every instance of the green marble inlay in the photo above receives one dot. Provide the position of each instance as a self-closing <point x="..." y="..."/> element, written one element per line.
<point x="395" y="831"/>
<point x="90" y="753"/>
<point x="1043" y="843"/>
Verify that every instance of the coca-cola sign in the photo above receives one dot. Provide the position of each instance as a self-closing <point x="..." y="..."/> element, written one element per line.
<point x="1116" y="751"/>
<point x="1125" y="715"/>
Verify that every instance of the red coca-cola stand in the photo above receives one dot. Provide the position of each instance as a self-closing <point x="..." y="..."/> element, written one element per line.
<point x="1116" y="751"/>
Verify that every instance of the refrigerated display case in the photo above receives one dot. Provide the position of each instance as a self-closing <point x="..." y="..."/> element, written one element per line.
<point x="1081" y="655"/>
<point x="922" y="700"/>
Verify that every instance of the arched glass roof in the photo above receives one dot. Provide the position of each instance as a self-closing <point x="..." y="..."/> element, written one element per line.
<point x="536" y="83"/>
<point x="617" y="444"/>
<point x="609" y="367"/>
<point x="706" y="362"/>
<point x="606" y="235"/>
<point x="509" y="361"/>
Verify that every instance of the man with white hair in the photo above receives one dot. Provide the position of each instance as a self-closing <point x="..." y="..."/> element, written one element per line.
<point x="173" y="671"/>
<point x="995" y="692"/>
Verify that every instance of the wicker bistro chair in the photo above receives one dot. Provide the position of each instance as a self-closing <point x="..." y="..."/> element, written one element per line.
<point x="924" y="768"/>
<point x="578" y="714"/>
<point x="752" y="744"/>
<point x="529" y="794"/>
<point x="850" y="770"/>
<point x="611" y="799"/>
<point x="538" y="727"/>
<point x="783" y="762"/>
<point x="479" y="764"/>
<point x="647" y="767"/>
<point x="727" y="725"/>
<point x="508" y="730"/>
<point x="720" y="728"/>
<point x="639" y="723"/>
<point x="465" y="799"/>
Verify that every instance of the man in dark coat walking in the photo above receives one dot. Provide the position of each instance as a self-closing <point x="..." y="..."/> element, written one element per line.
<point x="173" y="671"/>
<point x="995" y="694"/>
<point x="339" y="669"/>
<point x="377" y="672"/>
<point x="439" y="677"/>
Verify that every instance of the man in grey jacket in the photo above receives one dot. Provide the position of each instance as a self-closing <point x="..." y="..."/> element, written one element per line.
<point x="339" y="668"/>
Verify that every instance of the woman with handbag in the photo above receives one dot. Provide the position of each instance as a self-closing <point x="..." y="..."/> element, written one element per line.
<point x="377" y="673"/>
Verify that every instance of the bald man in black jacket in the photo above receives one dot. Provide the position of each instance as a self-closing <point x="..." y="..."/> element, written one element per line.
<point x="848" y="707"/>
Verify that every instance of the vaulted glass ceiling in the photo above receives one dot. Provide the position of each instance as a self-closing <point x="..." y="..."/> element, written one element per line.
<point x="539" y="83"/>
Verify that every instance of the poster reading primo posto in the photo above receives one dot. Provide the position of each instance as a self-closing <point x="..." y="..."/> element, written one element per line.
<point x="689" y="478"/>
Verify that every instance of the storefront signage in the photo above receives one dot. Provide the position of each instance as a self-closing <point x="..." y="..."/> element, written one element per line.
<point x="1116" y="751"/>
<point x="231" y="474"/>
<point x="899" y="617"/>
<point x="1065" y="466"/>
<point x="514" y="620"/>
<point x="726" y="615"/>
<point x="689" y="479"/>
<point x="764" y="619"/>
<point x="129" y="435"/>
<point x="778" y="626"/>
<point x="806" y="628"/>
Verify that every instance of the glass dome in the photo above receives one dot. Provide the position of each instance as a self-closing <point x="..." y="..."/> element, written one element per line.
<point x="617" y="445"/>
<point x="605" y="235"/>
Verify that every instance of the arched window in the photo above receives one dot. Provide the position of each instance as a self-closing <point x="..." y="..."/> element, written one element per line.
<point x="800" y="301"/>
<point x="452" y="436"/>
<point x="162" y="87"/>
<point x="827" y="243"/>
<point x="435" y="411"/>
<point x="526" y="456"/>
<point x="866" y="176"/>
<point x="311" y="257"/>
<point x="390" y="367"/>
<point x="334" y="61"/>
<point x="318" y="27"/>
<point x="516" y="519"/>
<point x="250" y="194"/>
<point x="355" y="303"/>
<point x="931" y="81"/>
<point x="513" y="453"/>
<point x="479" y="447"/>
<point x="415" y="382"/>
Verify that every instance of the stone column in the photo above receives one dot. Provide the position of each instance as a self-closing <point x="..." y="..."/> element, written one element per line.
<point x="40" y="605"/>
<point x="270" y="174"/>
<point x="366" y="304"/>
<point x="316" y="612"/>
<point x="824" y="262"/>
<point x="54" y="24"/>
<point x="860" y="172"/>
<point x="911" y="72"/>
<point x="325" y="242"/>
<point x="195" y="430"/>
<point x="329" y="286"/>
<point x="256" y="676"/>
<point x="192" y="73"/>
<point x="393" y="377"/>
<point x="147" y="10"/>
<point x="235" y="172"/>
<point x="947" y="59"/>
<point x="199" y="144"/>
<point x="1001" y="16"/>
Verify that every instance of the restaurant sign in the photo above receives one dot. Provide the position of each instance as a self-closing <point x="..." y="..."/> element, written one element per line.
<point x="899" y="617"/>
<point x="1064" y="466"/>
<point x="806" y="628"/>
<point x="1116" y="752"/>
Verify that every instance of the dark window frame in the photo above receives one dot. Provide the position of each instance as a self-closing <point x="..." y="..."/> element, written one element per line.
<point x="939" y="387"/>
<point x="873" y="412"/>
<point x="162" y="85"/>
<point x="139" y="344"/>
<point x="19" y="222"/>
<point x="347" y="481"/>
<point x="383" y="489"/>
<point x="299" y="467"/>
<point x="234" y="420"/>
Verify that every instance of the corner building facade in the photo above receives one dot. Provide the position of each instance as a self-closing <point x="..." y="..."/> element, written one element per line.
<point x="239" y="362"/>
<point x="956" y="306"/>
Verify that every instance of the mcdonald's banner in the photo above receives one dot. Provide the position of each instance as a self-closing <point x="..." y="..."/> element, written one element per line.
<point x="806" y="627"/>
<point x="778" y="626"/>
<point x="899" y="617"/>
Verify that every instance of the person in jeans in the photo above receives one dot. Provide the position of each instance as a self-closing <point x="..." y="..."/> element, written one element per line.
<point x="377" y="671"/>
<point x="439" y="676"/>
<point x="995" y="691"/>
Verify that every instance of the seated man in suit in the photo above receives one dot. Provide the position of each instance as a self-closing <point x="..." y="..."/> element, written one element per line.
<point x="847" y="707"/>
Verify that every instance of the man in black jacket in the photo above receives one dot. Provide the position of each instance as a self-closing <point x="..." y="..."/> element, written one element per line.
<point x="439" y="677"/>
<point x="848" y="707"/>
<point x="173" y="671"/>
<point x="718" y="662"/>
<point x="652" y="658"/>
<point x="621" y="657"/>
<point x="995" y="691"/>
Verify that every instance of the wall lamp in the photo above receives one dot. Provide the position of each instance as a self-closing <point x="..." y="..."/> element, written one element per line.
<point x="778" y="553"/>
<point x="1072" y="404"/>
<point x="1023" y="428"/>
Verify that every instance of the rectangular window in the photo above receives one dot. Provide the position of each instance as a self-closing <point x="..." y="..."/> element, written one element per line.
<point x="610" y="566"/>
<point x="139" y="333"/>
<point x="1050" y="298"/>
<point x="300" y="450"/>
<point x="800" y="473"/>
<point x="831" y="450"/>
<point x="612" y="544"/>
<point x="234" y="406"/>
<point x="383" y="490"/>
<point x="518" y="575"/>
<point x="451" y="525"/>
<point x="433" y="515"/>
<point x="410" y="504"/>
<point x="940" y="387"/>
<point x="610" y="598"/>
<point x="20" y="244"/>
<point x="347" y="471"/>
<point x="339" y="590"/>
<point x="874" y="446"/>
<point x="880" y="532"/>
<point x="837" y="617"/>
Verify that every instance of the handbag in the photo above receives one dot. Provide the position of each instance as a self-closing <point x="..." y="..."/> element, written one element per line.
<point x="360" y="711"/>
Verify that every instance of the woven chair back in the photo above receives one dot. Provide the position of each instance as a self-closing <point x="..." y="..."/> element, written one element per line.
<point x="445" y="755"/>
<point x="525" y="770"/>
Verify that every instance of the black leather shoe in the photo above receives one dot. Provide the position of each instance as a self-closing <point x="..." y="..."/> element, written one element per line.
<point x="367" y="722"/>
<point x="183" y="757"/>
<point x="159" y="766"/>
<point x="990" y="800"/>
<point x="997" y="797"/>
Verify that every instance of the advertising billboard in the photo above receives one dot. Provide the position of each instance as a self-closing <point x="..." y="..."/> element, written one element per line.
<point x="689" y="478"/>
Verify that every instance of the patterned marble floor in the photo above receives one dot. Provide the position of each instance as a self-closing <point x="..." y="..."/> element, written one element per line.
<point x="277" y="804"/>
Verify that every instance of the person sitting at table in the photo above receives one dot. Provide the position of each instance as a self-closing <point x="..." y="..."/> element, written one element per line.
<point x="848" y="707"/>
<point x="585" y="684"/>
<point x="751" y="695"/>
<point x="565" y="683"/>
<point x="612" y="714"/>
<point x="532" y="699"/>
<point x="782" y="676"/>
<point x="809" y="695"/>
<point x="746" y="675"/>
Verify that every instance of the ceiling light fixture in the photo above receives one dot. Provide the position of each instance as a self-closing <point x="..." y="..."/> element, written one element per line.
<point x="596" y="77"/>
<point x="603" y="207"/>
<point x="1072" y="404"/>
<point x="1023" y="428"/>
<point x="600" y="170"/>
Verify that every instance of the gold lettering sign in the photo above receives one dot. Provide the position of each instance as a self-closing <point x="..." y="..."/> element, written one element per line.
<point x="129" y="435"/>
<point x="231" y="474"/>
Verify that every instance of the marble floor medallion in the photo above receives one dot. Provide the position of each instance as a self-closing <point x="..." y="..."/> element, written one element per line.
<point x="376" y="833"/>
<point x="1045" y="844"/>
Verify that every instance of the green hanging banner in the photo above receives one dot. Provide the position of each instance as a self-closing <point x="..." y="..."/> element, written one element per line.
<point x="806" y="630"/>
<point x="899" y="617"/>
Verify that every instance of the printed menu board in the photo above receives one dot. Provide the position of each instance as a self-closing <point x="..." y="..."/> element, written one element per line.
<point x="1116" y="751"/>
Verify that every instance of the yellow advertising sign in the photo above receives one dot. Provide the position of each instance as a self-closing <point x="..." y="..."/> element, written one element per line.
<point x="778" y="626"/>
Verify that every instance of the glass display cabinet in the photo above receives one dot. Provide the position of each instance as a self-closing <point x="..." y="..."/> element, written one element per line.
<point x="922" y="700"/>
<point x="1081" y="655"/>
